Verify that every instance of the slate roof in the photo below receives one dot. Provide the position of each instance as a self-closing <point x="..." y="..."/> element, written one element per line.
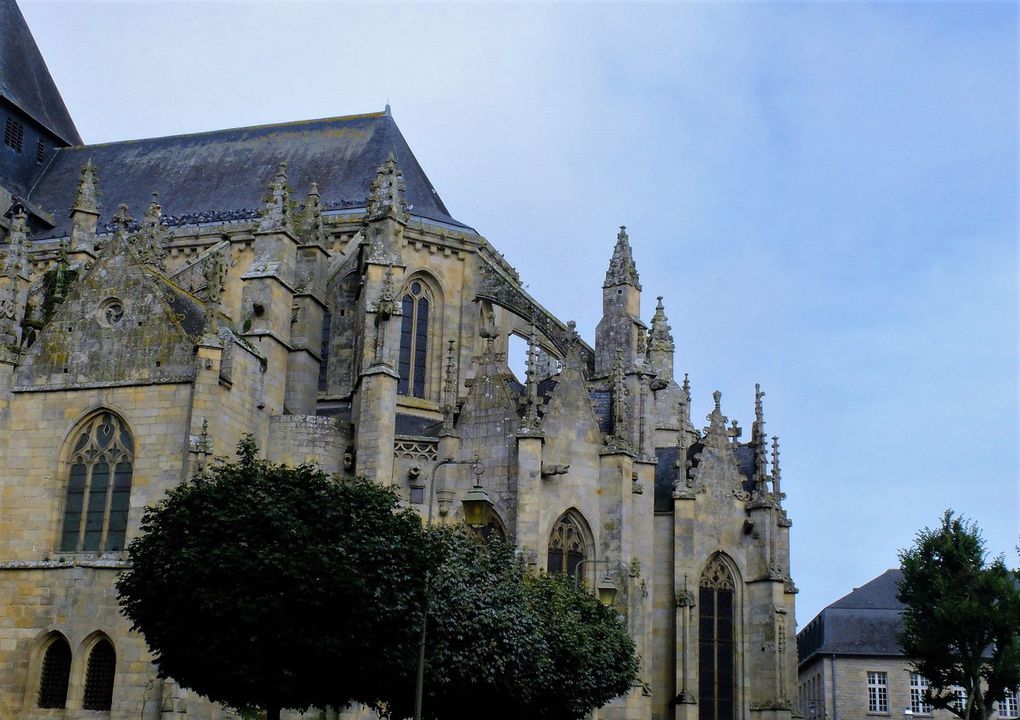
<point x="864" y="622"/>
<point x="25" y="80"/>
<point x="223" y="175"/>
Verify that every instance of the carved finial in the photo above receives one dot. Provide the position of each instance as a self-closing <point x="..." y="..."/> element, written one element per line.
<point x="386" y="198"/>
<point x="717" y="421"/>
<point x="314" y="232"/>
<point x="215" y="273"/>
<point x="776" y="475"/>
<point x="622" y="270"/>
<point x="276" y="216"/>
<point x="86" y="196"/>
<point x="686" y="387"/>
<point x="659" y="337"/>
<point x="151" y="236"/>
<point x="618" y="387"/>
<point x="531" y="419"/>
<point x="449" y="389"/>
<point x="758" y="434"/>
<point x="121" y="221"/>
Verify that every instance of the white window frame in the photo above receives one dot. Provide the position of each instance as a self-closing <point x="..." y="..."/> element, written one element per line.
<point x="918" y="684"/>
<point x="878" y="692"/>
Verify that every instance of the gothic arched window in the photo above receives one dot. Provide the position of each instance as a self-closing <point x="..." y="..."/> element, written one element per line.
<point x="56" y="669"/>
<point x="327" y="321"/>
<point x="98" y="486"/>
<point x="99" y="676"/>
<point x="567" y="545"/>
<point x="716" y="663"/>
<point x="414" y="334"/>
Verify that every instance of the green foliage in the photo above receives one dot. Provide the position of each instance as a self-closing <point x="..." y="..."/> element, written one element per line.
<point x="505" y="643"/>
<point x="962" y="618"/>
<point x="267" y="586"/>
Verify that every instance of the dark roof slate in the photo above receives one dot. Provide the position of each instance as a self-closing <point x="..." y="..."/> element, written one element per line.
<point x="864" y="622"/>
<point x="25" y="81"/>
<point x="223" y="175"/>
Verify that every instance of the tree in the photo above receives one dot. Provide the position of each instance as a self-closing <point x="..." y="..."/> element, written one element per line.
<point x="962" y="618"/>
<point x="263" y="586"/>
<point x="505" y="643"/>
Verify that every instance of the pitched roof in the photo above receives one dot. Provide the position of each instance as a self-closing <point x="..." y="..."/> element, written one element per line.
<point x="25" y="80"/>
<point x="223" y="175"/>
<point x="864" y="622"/>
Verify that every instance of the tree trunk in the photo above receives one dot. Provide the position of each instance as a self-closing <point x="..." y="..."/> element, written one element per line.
<point x="273" y="712"/>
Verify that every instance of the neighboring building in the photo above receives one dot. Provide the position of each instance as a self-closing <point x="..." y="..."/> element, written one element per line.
<point x="365" y="328"/>
<point x="851" y="666"/>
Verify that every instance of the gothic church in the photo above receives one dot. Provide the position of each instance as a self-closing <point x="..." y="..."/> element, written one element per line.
<point x="157" y="302"/>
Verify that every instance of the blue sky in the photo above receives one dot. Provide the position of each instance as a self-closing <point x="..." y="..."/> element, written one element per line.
<point x="825" y="194"/>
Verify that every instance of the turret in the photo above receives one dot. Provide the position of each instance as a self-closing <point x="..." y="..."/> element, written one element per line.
<point x="267" y="295"/>
<point x="620" y="329"/>
<point x="661" y="346"/>
<point x="13" y="284"/>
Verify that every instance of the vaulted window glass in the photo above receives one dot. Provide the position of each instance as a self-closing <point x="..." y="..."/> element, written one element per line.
<point x="414" y="335"/>
<point x="56" y="670"/>
<point x="918" y="686"/>
<point x="716" y="666"/>
<point x="98" y="486"/>
<point x="102" y="666"/>
<point x="1008" y="706"/>
<point x="567" y="547"/>
<point x="878" y="692"/>
<point x="327" y="321"/>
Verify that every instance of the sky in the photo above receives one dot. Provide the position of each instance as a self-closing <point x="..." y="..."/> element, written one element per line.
<point x="826" y="195"/>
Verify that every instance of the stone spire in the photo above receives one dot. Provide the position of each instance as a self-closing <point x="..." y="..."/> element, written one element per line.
<point x="386" y="197"/>
<point x="313" y="231"/>
<point x="659" y="337"/>
<point x="151" y="237"/>
<point x="276" y="215"/>
<point x="758" y="439"/>
<point x="775" y="469"/>
<point x="86" y="196"/>
<point x="717" y="421"/>
<point x="622" y="270"/>
<point x="84" y="216"/>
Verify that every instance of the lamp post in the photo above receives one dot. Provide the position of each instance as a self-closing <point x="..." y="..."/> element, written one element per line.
<point x="605" y="587"/>
<point x="477" y="468"/>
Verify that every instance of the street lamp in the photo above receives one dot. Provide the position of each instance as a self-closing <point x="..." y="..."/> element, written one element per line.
<point x="605" y="587"/>
<point x="477" y="468"/>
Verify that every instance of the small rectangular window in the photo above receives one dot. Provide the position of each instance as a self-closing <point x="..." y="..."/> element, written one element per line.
<point x="14" y="134"/>
<point x="878" y="692"/>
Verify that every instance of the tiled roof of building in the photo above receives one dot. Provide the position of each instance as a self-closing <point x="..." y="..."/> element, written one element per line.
<point x="223" y="175"/>
<point x="863" y="622"/>
<point x="25" y="80"/>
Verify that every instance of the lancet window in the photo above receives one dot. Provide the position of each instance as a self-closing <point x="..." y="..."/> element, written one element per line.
<point x="99" y="675"/>
<point x="567" y="545"/>
<point x="716" y="661"/>
<point x="100" y="466"/>
<point x="56" y="670"/>
<point x="414" y="334"/>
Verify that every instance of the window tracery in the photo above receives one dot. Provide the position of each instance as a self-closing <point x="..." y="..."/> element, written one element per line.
<point x="99" y="473"/>
<point x="716" y="661"/>
<point x="567" y="545"/>
<point x="414" y="333"/>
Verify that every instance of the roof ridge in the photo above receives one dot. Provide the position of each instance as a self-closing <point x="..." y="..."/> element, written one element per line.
<point x="264" y="126"/>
